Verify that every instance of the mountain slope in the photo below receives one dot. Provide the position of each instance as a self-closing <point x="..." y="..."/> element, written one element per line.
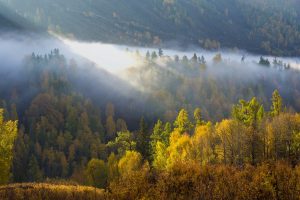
<point x="269" y="27"/>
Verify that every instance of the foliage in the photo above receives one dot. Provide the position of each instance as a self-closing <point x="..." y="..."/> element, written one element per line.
<point x="8" y="134"/>
<point x="131" y="161"/>
<point x="97" y="173"/>
<point x="268" y="27"/>
<point x="42" y="191"/>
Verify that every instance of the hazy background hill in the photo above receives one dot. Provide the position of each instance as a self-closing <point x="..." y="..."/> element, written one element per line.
<point x="269" y="26"/>
<point x="11" y="21"/>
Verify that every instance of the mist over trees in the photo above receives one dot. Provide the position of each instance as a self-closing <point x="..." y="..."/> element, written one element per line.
<point x="206" y="125"/>
<point x="267" y="27"/>
<point x="67" y="131"/>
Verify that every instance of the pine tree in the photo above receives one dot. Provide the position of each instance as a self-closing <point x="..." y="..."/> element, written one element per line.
<point x="143" y="139"/>
<point x="182" y="122"/>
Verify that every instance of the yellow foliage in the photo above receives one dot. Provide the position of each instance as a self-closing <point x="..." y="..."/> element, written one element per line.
<point x="131" y="161"/>
<point x="43" y="191"/>
<point x="8" y="134"/>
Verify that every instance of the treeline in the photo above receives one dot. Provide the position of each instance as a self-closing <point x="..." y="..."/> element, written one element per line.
<point x="62" y="134"/>
<point x="215" y="84"/>
<point x="189" y="180"/>
<point x="253" y="154"/>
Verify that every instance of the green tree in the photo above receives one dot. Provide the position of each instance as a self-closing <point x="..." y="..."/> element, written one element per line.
<point x="148" y="55"/>
<point x="153" y="55"/>
<point x="112" y="165"/>
<point x="198" y="117"/>
<point x="182" y="122"/>
<point x="160" y="52"/>
<point x="161" y="133"/>
<point x="143" y="139"/>
<point x="34" y="172"/>
<point x="97" y="173"/>
<point x="123" y="142"/>
<point x="251" y="114"/>
<point x="194" y="58"/>
<point x="276" y="107"/>
<point x="8" y="134"/>
<point x="156" y="135"/>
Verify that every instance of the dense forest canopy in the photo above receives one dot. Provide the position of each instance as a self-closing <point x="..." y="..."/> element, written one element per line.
<point x="157" y="123"/>
<point x="269" y="26"/>
<point x="67" y="131"/>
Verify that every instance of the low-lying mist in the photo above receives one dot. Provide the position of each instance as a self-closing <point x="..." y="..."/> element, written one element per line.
<point x="148" y="82"/>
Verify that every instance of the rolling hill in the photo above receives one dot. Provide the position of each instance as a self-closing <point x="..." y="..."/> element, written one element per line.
<point x="11" y="21"/>
<point x="266" y="27"/>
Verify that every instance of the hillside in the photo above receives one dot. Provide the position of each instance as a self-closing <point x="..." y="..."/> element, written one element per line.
<point x="43" y="191"/>
<point x="84" y="119"/>
<point x="11" y="21"/>
<point x="266" y="27"/>
<point x="7" y="24"/>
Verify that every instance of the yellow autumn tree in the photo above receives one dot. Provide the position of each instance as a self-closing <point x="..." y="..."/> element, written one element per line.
<point x="179" y="149"/>
<point x="130" y="162"/>
<point x="232" y="137"/>
<point x="160" y="156"/>
<point x="203" y="144"/>
<point x="8" y="134"/>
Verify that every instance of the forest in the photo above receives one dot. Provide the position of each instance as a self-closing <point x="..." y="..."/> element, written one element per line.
<point x="264" y="27"/>
<point x="154" y="99"/>
<point x="155" y="144"/>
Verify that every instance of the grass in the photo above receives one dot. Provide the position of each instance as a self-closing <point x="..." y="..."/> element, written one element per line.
<point x="46" y="191"/>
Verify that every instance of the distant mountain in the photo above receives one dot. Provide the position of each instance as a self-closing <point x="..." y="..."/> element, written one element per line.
<point x="6" y="23"/>
<point x="10" y="20"/>
<point x="267" y="27"/>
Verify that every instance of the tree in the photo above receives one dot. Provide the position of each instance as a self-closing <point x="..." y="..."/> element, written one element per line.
<point x="34" y="172"/>
<point x="21" y="156"/>
<point x="156" y="136"/>
<point x="194" y="58"/>
<point x="110" y="110"/>
<point x="178" y="151"/>
<point x="160" y="52"/>
<point x="142" y="144"/>
<point x="276" y="107"/>
<point x="130" y="162"/>
<point x="121" y="125"/>
<point x="8" y="134"/>
<point x="185" y="60"/>
<point x="148" y="55"/>
<point x="203" y="145"/>
<point x="110" y="122"/>
<point x="166" y="133"/>
<point x="123" y="142"/>
<point x="97" y="173"/>
<point x="232" y="135"/>
<point x="198" y="117"/>
<point x="217" y="58"/>
<point x="251" y="114"/>
<point x="112" y="165"/>
<point x="264" y="62"/>
<point x="159" y="140"/>
<point x="283" y="131"/>
<point x="182" y="123"/>
<point x="160" y="156"/>
<point x="153" y="55"/>
<point x="110" y="127"/>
